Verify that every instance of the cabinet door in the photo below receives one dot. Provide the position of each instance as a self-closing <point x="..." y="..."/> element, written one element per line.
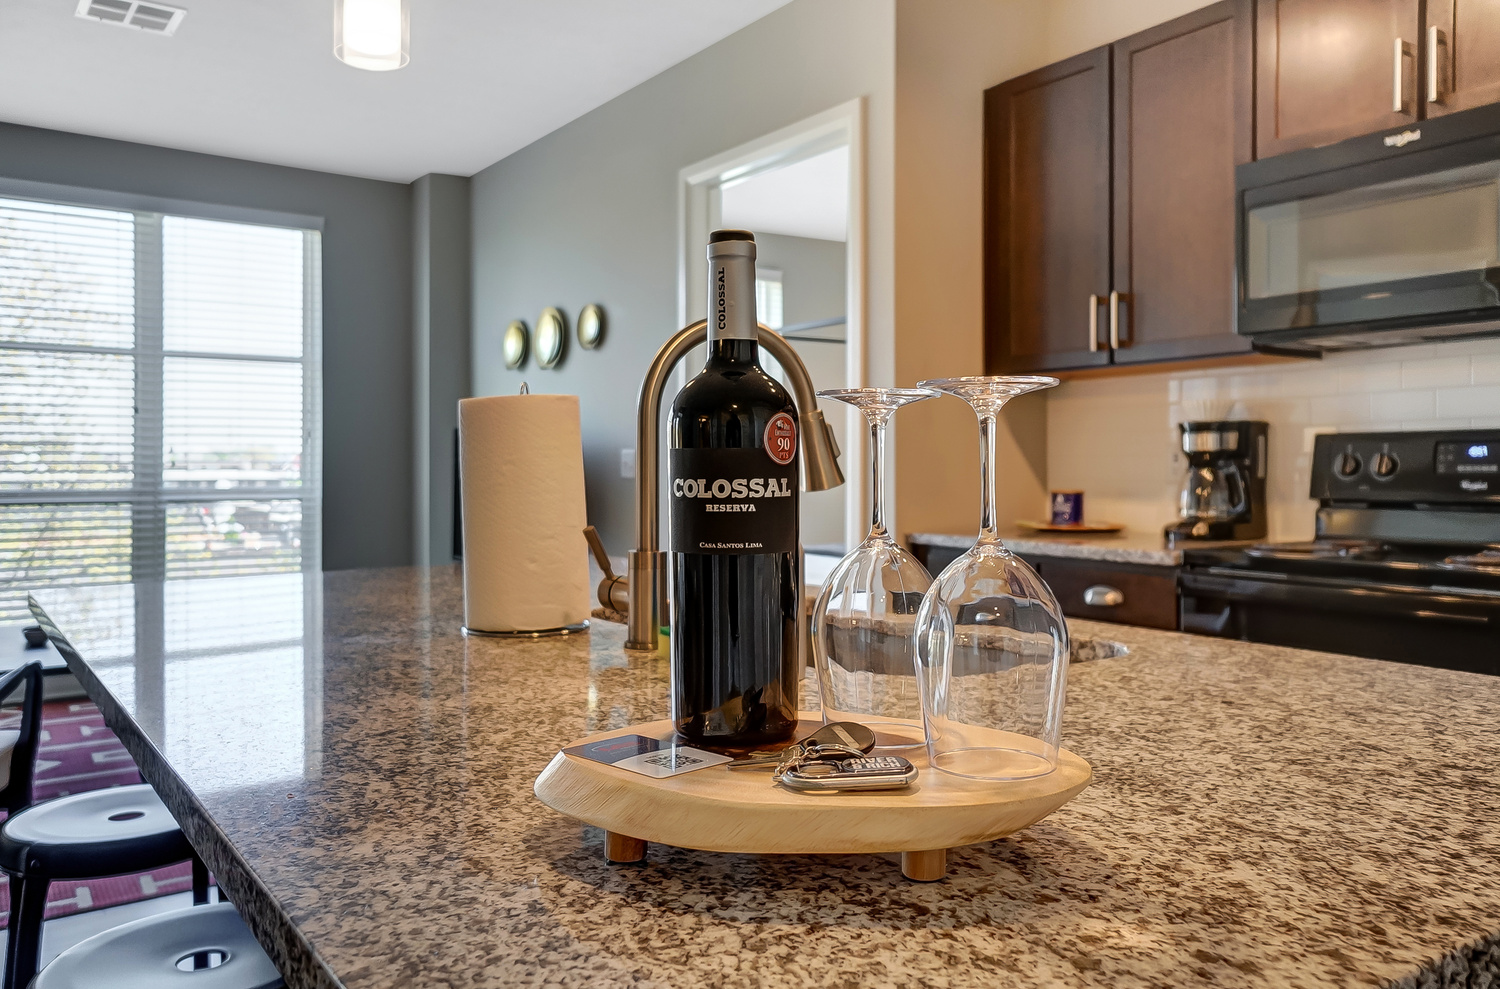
<point x="1182" y="99"/>
<point x="1461" y="57"/>
<point x="1142" y="595"/>
<point x="1332" y="69"/>
<point x="1046" y="216"/>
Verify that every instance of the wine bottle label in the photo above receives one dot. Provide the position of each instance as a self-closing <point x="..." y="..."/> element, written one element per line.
<point x="727" y="501"/>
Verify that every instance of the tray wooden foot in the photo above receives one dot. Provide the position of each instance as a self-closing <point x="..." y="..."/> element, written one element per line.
<point x="621" y="849"/>
<point x="925" y="867"/>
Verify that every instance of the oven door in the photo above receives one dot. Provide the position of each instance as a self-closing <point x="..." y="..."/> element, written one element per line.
<point x="1454" y="629"/>
<point x="1393" y="247"/>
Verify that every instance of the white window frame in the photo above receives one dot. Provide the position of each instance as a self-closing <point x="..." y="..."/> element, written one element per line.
<point x="147" y="496"/>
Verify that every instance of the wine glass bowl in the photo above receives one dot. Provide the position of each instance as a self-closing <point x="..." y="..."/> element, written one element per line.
<point x="990" y="639"/>
<point x="865" y="616"/>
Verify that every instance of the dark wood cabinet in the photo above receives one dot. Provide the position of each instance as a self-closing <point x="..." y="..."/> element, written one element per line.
<point x="1182" y="101"/>
<point x="1114" y="592"/>
<point x="1461" y="55"/>
<point x="1109" y="199"/>
<point x="1332" y="69"/>
<point x="1047" y="216"/>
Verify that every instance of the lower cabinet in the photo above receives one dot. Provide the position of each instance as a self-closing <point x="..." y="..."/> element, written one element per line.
<point x="1127" y="593"/>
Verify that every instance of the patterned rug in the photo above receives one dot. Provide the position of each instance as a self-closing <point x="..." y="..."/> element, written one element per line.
<point x="77" y="753"/>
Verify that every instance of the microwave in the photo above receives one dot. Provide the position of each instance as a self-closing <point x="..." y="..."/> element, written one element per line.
<point x="1388" y="239"/>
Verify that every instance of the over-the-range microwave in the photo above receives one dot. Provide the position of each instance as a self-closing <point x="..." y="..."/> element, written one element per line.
<point x="1376" y="241"/>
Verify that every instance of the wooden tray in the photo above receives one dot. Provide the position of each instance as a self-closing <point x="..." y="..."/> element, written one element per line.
<point x="1079" y="528"/>
<point x="724" y="810"/>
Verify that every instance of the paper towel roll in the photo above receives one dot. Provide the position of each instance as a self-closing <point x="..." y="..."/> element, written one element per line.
<point x="525" y="558"/>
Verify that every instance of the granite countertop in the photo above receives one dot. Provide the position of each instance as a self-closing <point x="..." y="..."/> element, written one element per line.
<point x="358" y="774"/>
<point x="1148" y="548"/>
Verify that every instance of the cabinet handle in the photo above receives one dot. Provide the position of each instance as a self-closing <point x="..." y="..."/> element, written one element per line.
<point x="1103" y="596"/>
<point x="1094" y="301"/>
<point x="1114" y="320"/>
<point x="1398" y="82"/>
<point x="1435" y="41"/>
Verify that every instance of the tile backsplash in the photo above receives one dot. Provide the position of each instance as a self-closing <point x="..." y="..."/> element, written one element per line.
<point x="1116" y="438"/>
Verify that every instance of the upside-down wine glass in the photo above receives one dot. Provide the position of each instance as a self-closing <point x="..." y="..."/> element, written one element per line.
<point x="991" y="642"/>
<point x="862" y="623"/>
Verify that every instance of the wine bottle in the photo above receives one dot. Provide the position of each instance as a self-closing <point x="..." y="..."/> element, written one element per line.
<point x="732" y="468"/>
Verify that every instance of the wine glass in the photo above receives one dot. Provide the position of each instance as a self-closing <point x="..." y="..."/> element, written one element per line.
<point x="991" y="642"/>
<point x="863" y="621"/>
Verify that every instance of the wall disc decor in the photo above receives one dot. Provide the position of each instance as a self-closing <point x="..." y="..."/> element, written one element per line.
<point x="590" y="327"/>
<point x="514" y="344"/>
<point x="551" y="337"/>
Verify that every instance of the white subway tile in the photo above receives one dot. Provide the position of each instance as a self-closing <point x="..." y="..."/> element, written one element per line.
<point x="1418" y="403"/>
<point x="1430" y="424"/>
<point x="1174" y="391"/>
<point x="1340" y="410"/>
<point x="1435" y="372"/>
<point x="1370" y="377"/>
<point x="1485" y="422"/>
<point x="1487" y="369"/>
<point x="1476" y="400"/>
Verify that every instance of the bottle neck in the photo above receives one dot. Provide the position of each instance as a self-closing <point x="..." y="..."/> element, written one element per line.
<point x="733" y="351"/>
<point x="731" y="297"/>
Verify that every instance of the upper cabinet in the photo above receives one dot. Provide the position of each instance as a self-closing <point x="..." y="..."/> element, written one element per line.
<point x="1047" y="216"/>
<point x="1462" y="51"/>
<point x="1109" y="199"/>
<point x="1331" y="69"/>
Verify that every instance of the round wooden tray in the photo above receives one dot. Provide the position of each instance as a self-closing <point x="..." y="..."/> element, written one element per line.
<point x="742" y="810"/>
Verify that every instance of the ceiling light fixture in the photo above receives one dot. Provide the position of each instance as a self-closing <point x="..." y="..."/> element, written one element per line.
<point x="371" y="34"/>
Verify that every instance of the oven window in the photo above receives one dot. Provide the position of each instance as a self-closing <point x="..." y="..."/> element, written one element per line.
<point x="1433" y="224"/>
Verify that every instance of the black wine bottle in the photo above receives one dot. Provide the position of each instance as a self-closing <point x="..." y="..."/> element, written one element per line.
<point x="732" y="468"/>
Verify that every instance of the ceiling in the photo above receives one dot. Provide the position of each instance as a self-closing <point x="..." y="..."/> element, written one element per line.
<point x="256" y="79"/>
<point x="808" y="198"/>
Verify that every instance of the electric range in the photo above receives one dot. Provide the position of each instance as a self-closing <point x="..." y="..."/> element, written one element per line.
<point x="1405" y="566"/>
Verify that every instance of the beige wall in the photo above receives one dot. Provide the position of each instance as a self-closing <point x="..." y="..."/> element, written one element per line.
<point x="947" y="54"/>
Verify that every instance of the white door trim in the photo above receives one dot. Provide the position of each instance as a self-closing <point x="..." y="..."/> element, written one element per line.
<point x="696" y="209"/>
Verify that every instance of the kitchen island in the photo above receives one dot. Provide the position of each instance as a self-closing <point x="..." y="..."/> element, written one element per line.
<point x="358" y="775"/>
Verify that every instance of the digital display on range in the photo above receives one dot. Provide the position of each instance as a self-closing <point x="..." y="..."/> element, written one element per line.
<point x="1468" y="457"/>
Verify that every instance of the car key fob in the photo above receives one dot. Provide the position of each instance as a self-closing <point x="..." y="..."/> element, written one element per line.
<point x="869" y="773"/>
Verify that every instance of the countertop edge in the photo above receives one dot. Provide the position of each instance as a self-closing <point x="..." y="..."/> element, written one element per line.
<point x="1103" y="547"/>
<point x="273" y="928"/>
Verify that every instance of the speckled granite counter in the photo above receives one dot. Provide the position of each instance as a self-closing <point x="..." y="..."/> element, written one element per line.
<point x="359" y="776"/>
<point x="1148" y="548"/>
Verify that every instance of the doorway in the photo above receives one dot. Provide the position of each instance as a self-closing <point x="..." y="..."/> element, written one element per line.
<point x="800" y="190"/>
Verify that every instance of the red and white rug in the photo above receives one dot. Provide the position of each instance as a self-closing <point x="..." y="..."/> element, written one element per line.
<point x="77" y="752"/>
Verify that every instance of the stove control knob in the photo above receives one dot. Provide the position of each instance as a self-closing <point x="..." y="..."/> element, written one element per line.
<point x="1346" y="465"/>
<point x="1385" y="464"/>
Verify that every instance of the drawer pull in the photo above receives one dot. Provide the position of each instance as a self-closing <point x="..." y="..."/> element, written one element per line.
<point x="1103" y="596"/>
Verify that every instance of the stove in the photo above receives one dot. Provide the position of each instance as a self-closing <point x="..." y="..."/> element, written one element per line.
<point x="1405" y="566"/>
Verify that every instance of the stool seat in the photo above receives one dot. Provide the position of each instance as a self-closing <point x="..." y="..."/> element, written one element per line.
<point x="145" y="954"/>
<point x="97" y="833"/>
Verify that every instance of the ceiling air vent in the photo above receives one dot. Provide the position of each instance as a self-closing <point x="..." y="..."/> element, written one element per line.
<point x="156" y="18"/>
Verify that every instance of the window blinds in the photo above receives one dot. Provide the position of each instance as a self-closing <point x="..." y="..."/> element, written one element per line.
<point x="158" y="398"/>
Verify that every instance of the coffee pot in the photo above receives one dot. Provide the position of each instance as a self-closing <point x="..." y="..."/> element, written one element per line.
<point x="1223" y="495"/>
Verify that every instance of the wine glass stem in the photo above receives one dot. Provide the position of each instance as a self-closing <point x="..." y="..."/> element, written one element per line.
<point x="988" y="532"/>
<point x="877" y="476"/>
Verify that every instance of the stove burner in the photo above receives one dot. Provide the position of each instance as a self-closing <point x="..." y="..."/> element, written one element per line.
<point x="1485" y="561"/>
<point x="1322" y="549"/>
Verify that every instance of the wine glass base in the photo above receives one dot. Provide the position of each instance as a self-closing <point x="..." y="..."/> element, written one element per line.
<point x="997" y="765"/>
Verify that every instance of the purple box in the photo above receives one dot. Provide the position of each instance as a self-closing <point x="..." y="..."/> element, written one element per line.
<point x="1067" y="508"/>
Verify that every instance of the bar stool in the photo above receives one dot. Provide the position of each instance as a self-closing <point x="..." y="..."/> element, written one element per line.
<point x="83" y="836"/>
<point x="198" y="947"/>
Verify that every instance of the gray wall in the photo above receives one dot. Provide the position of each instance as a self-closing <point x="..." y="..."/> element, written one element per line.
<point x="589" y="212"/>
<point x="440" y="354"/>
<point x="367" y="306"/>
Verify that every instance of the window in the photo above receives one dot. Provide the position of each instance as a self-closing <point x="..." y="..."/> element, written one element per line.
<point x="158" y="398"/>
<point x="768" y="296"/>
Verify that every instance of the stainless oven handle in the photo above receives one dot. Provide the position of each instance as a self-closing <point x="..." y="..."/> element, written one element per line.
<point x="1434" y="43"/>
<point x="1094" y="301"/>
<point x="1303" y="596"/>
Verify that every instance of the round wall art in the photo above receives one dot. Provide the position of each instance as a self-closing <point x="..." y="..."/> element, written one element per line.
<point x="590" y="327"/>
<point x="514" y="344"/>
<point x="551" y="337"/>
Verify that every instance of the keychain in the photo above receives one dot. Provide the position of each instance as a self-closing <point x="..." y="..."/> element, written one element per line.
<point x="874" y="773"/>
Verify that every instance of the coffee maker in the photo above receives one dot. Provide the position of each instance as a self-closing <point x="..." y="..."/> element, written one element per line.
<point x="1223" y="496"/>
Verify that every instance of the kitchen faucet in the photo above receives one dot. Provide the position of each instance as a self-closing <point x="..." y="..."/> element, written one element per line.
<point x="643" y="592"/>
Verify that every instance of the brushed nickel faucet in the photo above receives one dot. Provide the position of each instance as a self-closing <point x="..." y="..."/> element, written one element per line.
<point x="644" y="589"/>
